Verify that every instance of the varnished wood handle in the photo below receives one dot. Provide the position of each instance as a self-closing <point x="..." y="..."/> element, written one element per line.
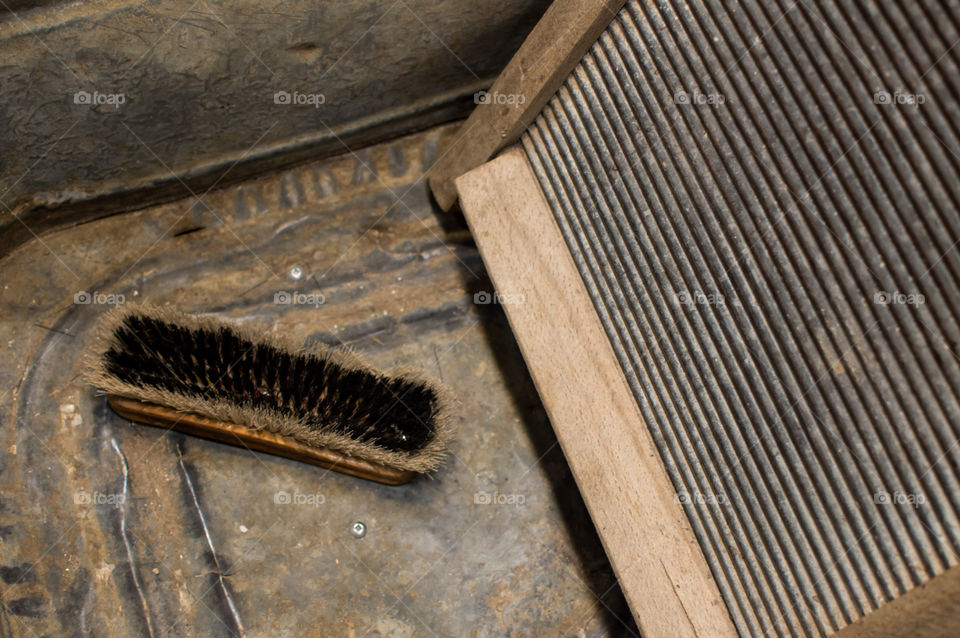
<point x="238" y="435"/>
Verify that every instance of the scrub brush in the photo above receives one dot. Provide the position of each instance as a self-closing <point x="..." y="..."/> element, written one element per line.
<point x="233" y="384"/>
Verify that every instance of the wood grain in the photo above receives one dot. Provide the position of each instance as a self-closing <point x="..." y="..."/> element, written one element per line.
<point x="930" y="610"/>
<point x="553" y="48"/>
<point x="613" y="457"/>
<point x="240" y="436"/>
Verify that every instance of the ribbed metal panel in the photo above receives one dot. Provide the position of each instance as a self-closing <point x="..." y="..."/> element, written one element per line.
<point x="756" y="224"/>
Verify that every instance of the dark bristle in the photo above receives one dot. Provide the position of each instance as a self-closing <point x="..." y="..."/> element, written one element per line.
<point x="219" y="364"/>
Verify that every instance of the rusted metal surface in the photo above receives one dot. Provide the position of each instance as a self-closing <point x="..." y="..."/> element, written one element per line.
<point x="114" y="529"/>
<point x="104" y="98"/>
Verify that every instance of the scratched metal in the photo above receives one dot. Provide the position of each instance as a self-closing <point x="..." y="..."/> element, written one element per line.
<point x="198" y="80"/>
<point x="115" y="529"/>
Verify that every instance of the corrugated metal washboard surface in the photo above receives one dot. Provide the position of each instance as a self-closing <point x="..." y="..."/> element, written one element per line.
<point x="762" y="199"/>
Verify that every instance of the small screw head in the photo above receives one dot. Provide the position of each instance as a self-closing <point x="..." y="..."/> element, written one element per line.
<point x="296" y="273"/>
<point x="358" y="529"/>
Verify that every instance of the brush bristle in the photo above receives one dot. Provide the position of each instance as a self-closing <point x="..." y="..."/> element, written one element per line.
<point x="327" y="398"/>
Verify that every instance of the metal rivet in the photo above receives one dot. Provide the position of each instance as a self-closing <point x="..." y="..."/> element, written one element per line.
<point x="296" y="273"/>
<point x="358" y="529"/>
